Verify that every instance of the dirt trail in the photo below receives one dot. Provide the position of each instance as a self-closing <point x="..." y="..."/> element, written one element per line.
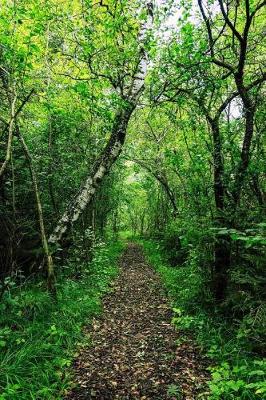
<point x="134" y="353"/>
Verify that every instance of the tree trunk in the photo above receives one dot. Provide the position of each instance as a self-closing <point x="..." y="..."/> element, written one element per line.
<point x="49" y="260"/>
<point x="218" y="167"/>
<point x="245" y="154"/>
<point x="50" y="168"/>
<point x="101" y="168"/>
<point x="222" y="252"/>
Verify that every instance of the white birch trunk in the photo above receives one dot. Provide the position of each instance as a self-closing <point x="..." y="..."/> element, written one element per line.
<point x="112" y="149"/>
<point x="101" y="167"/>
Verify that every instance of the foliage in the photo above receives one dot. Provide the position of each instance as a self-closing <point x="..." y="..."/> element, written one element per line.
<point x="245" y="380"/>
<point x="144" y="120"/>
<point x="237" y="373"/>
<point x="38" y="338"/>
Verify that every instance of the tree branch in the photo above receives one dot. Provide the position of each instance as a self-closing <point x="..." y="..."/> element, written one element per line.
<point x="229" y="23"/>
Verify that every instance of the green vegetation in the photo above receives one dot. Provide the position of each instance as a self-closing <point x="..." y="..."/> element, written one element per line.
<point x="237" y="373"/>
<point x="141" y="119"/>
<point x="39" y="338"/>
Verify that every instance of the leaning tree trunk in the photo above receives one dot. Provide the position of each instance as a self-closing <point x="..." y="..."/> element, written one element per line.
<point x="113" y="147"/>
<point x="101" y="167"/>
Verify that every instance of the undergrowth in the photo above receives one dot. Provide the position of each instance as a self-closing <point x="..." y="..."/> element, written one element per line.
<point x="236" y="373"/>
<point x="38" y="337"/>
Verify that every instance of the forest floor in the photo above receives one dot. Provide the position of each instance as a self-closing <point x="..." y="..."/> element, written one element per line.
<point x="135" y="351"/>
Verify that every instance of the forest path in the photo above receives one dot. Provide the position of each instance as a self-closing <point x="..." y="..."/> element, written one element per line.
<point x="134" y="354"/>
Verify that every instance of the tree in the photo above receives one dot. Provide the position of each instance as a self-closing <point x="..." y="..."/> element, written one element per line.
<point x="212" y="74"/>
<point x="130" y="89"/>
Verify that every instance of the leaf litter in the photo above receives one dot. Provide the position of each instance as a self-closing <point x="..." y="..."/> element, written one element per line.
<point x="134" y="352"/>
